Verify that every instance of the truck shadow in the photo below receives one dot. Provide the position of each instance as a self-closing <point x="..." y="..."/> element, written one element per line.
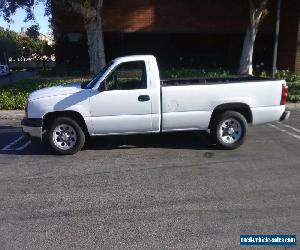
<point x="183" y="140"/>
<point x="174" y="140"/>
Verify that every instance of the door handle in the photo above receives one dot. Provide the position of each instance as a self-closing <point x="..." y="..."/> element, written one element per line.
<point x="144" y="98"/>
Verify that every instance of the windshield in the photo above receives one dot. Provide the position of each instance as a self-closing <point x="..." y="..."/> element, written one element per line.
<point x="92" y="83"/>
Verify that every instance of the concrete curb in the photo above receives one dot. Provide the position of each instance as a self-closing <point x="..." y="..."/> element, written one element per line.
<point x="19" y="114"/>
<point x="293" y="106"/>
<point x="12" y="114"/>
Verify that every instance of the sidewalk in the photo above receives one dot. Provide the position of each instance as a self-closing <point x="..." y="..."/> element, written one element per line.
<point x="293" y="106"/>
<point x="12" y="114"/>
<point x="19" y="114"/>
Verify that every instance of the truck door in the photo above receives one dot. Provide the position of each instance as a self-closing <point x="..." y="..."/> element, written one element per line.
<point x="124" y="104"/>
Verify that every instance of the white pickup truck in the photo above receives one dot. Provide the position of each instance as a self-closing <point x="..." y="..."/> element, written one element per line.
<point x="128" y="97"/>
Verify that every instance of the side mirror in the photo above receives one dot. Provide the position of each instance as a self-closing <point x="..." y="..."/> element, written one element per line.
<point x="103" y="86"/>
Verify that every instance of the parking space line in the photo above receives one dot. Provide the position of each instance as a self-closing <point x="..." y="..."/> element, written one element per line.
<point x="7" y="147"/>
<point x="288" y="126"/>
<point x="285" y="131"/>
<point x="24" y="146"/>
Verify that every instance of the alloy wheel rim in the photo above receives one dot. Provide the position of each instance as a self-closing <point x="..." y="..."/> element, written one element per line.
<point x="64" y="137"/>
<point x="230" y="131"/>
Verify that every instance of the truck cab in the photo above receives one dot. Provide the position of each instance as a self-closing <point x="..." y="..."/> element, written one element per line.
<point x="129" y="99"/>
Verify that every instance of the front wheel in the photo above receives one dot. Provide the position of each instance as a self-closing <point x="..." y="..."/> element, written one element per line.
<point x="65" y="136"/>
<point x="230" y="130"/>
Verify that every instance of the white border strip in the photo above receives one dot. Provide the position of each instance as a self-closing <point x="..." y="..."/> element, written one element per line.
<point x="288" y="126"/>
<point x="7" y="147"/>
<point x="24" y="146"/>
<point x="285" y="131"/>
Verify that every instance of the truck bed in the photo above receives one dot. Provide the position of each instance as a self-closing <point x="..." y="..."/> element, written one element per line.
<point x="212" y="80"/>
<point x="189" y="103"/>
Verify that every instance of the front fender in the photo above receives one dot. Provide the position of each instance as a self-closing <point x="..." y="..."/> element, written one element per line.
<point x="79" y="102"/>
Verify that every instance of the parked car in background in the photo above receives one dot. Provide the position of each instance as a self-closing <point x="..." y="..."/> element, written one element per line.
<point x="4" y="70"/>
<point x="128" y="97"/>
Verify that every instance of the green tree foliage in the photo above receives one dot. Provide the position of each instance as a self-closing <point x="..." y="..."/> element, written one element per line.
<point x="19" y="47"/>
<point x="90" y="11"/>
<point x="22" y="48"/>
<point x="33" y="31"/>
<point x="10" y="45"/>
<point x="9" y="8"/>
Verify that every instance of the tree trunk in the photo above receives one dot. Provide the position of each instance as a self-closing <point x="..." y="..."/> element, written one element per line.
<point x="257" y="12"/>
<point x="95" y="44"/>
<point x="247" y="53"/>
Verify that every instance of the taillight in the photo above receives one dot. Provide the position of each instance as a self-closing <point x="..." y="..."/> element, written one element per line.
<point x="284" y="94"/>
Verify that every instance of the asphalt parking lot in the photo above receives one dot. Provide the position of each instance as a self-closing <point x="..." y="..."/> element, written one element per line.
<point x="175" y="191"/>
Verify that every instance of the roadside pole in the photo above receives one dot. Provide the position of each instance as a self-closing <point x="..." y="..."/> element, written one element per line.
<point x="274" y="68"/>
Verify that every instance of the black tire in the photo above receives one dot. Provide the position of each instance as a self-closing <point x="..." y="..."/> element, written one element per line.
<point x="76" y="143"/>
<point x="235" y="133"/>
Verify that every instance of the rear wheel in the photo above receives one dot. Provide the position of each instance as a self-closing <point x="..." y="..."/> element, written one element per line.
<point x="230" y="129"/>
<point x="65" y="136"/>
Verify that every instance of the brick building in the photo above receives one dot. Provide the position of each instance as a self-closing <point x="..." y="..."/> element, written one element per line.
<point x="206" y="33"/>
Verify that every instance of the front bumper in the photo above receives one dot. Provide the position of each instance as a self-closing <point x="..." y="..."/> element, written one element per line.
<point x="33" y="128"/>
<point x="285" y="116"/>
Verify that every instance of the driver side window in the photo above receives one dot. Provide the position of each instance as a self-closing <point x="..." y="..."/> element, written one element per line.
<point x="128" y="76"/>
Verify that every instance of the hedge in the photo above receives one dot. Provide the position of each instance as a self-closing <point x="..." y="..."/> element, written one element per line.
<point x="14" y="95"/>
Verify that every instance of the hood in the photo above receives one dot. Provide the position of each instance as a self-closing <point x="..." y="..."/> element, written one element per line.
<point x="61" y="90"/>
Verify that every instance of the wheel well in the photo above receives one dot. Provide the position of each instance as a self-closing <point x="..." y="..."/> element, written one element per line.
<point x="242" y="108"/>
<point x="49" y="117"/>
